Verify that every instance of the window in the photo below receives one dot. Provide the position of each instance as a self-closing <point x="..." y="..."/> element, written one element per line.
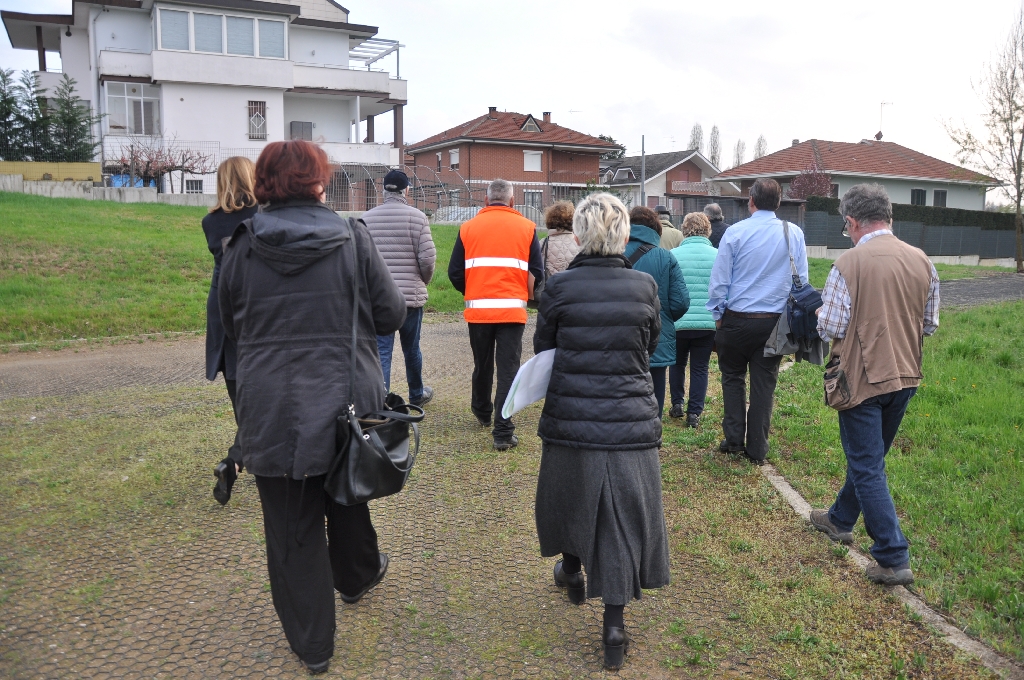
<point x="240" y="40"/>
<point x="208" y="29"/>
<point x="453" y="159"/>
<point x="531" y="161"/>
<point x="301" y="130"/>
<point x="133" y="109"/>
<point x="272" y="39"/>
<point x="208" y="33"/>
<point x="834" y="192"/>
<point x="173" y="30"/>
<point x="530" y="126"/>
<point x="439" y="161"/>
<point x="918" y="197"/>
<point x="193" y="186"/>
<point x="533" y="198"/>
<point x="257" y="120"/>
<point x="939" y="200"/>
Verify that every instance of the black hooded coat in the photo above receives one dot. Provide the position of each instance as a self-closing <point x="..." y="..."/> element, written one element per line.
<point x="285" y="298"/>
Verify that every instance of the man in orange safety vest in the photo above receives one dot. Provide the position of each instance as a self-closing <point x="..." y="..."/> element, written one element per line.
<point x="495" y="264"/>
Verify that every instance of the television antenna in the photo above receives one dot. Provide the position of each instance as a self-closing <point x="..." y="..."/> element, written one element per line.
<point x="881" y="114"/>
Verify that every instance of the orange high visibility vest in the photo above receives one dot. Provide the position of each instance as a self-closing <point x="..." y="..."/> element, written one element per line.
<point x="497" y="243"/>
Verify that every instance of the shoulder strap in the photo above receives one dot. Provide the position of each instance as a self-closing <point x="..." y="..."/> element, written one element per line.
<point x="355" y="320"/>
<point x="640" y="252"/>
<point x="792" y="263"/>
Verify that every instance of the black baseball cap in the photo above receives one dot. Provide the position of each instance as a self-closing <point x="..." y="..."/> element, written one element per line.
<point x="396" y="180"/>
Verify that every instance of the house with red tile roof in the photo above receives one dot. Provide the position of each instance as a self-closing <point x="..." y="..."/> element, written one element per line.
<point x="909" y="176"/>
<point x="543" y="160"/>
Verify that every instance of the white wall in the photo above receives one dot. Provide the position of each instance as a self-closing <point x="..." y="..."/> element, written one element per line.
<point x="124" y="30"/>
<point x="957" y="195"/>
<point x="330" y="116"/>
<point x="74" y="56"/>
<point x="331" y="47"/>
<point x="218" y="113"/>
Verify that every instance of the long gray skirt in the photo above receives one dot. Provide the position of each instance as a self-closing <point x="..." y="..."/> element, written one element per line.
<point x="605" y="507"/>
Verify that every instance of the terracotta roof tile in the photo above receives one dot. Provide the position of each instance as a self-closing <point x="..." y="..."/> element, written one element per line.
<point x="507" y="126"/>
<point x="867" y="157"/>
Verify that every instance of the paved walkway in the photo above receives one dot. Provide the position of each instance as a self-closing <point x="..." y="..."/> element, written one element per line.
<point x="157" y="580"/>
<point x="982" y="290"/>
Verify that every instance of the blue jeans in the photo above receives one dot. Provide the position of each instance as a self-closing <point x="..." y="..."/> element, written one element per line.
<point x="867" y="432"/>
<point x="409" y="335"/>
<point x="695" y="347"/>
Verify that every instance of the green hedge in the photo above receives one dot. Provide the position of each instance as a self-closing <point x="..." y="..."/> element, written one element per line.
<point x="928" y="215"/>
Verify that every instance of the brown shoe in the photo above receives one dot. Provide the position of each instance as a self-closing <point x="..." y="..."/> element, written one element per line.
<point x="890" y="576"/>
<point x="821" y="522"/>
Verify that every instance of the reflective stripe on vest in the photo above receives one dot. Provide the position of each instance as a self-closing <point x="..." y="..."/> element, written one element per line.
<point x="498" y="262"/>
<point x="498" y="303"/>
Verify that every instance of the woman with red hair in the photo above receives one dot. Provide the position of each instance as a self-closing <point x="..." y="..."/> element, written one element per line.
<point x="286" y="295"/>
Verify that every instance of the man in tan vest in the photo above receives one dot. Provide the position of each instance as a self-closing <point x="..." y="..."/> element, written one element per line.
<point x="881" y="299"/>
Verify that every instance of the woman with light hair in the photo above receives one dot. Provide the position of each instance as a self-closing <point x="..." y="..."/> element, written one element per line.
<point x="236" y="202"/>
<point x="695" y="331"/>
<point x="599" y="488"/>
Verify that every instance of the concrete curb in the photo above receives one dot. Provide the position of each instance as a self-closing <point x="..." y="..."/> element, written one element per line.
<point x="991" y="659"/>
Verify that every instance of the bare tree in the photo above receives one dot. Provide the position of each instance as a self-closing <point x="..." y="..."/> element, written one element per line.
<point x="696" y="138"/>
<point x="813" y="181"/>
<point x="760" y="148"/>
<point x="739" y="152"/>
<point x="715" y="147"/>
<point x="999" y="151"/>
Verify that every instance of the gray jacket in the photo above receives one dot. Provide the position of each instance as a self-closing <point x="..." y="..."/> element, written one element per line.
<point x="402" y="235"/>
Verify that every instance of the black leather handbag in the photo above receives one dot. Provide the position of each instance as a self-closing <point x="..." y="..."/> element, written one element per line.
<point x="374" y="456"/>
<point x="804" y="301"/>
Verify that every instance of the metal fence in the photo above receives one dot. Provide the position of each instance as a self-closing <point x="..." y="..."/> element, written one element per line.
<point x="823" y="229"/>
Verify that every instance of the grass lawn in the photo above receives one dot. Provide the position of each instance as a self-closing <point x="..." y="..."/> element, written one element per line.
<point x="956" y="469"/>
<point x="76" y="268"/>
<point x="87" y="269"/>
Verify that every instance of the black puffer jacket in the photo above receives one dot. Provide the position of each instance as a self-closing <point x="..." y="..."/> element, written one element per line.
<point x="603" y="319"/>
<point x="286" y="300"/>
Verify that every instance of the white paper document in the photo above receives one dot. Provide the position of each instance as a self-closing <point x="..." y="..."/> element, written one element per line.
<point x="530" y="385"/>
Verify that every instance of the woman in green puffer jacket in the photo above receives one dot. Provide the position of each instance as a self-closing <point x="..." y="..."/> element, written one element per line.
<point x="695" y="332"/>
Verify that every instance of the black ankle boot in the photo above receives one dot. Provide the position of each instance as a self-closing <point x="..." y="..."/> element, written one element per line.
<point x="575" y="584"/>
<point x="616" y="646"/>
<point x="226" y="475"/>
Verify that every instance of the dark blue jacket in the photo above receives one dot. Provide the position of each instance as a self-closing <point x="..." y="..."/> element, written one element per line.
<point x="672" y="293"/>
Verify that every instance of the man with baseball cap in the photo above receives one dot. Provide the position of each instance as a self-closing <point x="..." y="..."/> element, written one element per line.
<point x="402" y="235"/>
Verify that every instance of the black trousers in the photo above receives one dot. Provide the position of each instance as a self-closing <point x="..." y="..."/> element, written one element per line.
<point x="495" y="345"/>
<point x="307" y="565"/>
<point x="741" y="349"/>
<point x="235" y="452"/>
<point x="658" y="378"/>
<point x="693" y="347"/>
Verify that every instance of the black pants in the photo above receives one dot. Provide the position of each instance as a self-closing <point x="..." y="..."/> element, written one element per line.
<point x="306" y="565"/>
<point x="693" y="347"/>
<point x="495" y="345"/>
<point x="741" y="348"/>
<point x="235" y="452"/>
<point x="658" y="378"/>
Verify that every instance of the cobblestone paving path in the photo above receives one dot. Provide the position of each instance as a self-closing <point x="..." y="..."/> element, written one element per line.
<point x="982" y="290"/>
<point x="116" y="562"/>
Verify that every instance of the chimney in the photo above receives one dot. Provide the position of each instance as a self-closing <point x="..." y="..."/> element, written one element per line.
<point x="547" y="116"/>
<point x="795" y="142"/>
<point x="491" y="110"/>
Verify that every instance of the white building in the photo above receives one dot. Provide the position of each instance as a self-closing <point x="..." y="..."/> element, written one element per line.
<point x="223" y="77"/>
<point x="908" y="176"/>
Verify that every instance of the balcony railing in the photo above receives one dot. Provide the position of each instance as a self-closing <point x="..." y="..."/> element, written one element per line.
<point x="696" y="188"/>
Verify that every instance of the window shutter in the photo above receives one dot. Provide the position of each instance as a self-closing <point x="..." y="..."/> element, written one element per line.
<point x="173" y="30"/>
<point x="207" y="29"/>
<point x="272" y="39"/>
<point x="532" y="161"/>
<point x="240" y="37"/>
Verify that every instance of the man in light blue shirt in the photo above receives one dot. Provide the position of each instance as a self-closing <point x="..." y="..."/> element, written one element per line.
<point x="749" y="287"/>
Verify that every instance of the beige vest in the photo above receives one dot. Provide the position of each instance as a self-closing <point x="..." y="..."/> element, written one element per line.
<point x="888" y="282"/>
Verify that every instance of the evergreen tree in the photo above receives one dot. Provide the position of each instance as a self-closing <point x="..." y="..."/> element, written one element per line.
<point x="612" y="155"/>
<point x="10" y="142"/>
<point x="33" y="119"/>
<point x="71" y="124"/>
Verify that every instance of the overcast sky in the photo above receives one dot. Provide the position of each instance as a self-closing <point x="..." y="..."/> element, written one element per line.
<point x="792" y="70"/>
